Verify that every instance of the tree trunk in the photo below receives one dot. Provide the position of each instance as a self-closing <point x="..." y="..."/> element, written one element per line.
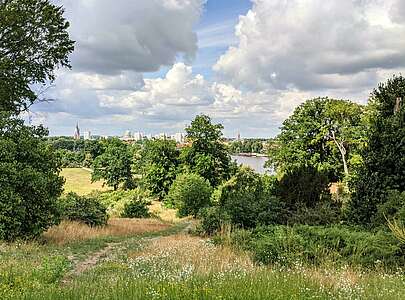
<point x="343" y="152"/>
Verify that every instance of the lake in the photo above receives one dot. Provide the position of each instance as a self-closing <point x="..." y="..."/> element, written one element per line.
<point x="256" y="163"/>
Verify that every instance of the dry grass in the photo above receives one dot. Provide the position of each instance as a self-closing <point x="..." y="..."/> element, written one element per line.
<point x="205" y="258"/>
<point x="166" y="214"/>
<point x="68" y="232"/>
<point x="79" y="181"/>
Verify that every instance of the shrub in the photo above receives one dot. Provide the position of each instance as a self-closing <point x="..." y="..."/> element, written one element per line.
<point x="393" y="208"/>
<point x="189" y="193"/>
<point x="316" y="244"/>
<point x="84" y="209"/>
<point x="246" y="199"/>
<point x="136" y="208"/>
<point x="211" y="220"/>
<point x="115" y="201"/>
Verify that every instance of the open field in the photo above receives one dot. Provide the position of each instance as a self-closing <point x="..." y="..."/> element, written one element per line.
<point x="79" y="181"/>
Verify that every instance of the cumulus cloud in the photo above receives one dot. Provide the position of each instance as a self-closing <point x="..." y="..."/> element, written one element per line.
<point x="315" y="44"/>
<point x="126" y="35"/>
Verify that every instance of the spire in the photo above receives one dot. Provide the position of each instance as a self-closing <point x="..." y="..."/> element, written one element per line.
<point x="77" y="132"/>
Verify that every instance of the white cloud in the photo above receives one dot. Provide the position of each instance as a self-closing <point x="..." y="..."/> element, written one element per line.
<point x="315" y="44"/>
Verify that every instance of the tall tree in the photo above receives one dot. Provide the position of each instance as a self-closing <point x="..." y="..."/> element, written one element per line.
<point x="322" y="133"/>
<point x="207" y="155"/>
<point x="34" y="40"/>
<point x="114" y="165"/>
<point x="384" y="157"/>
<point x="159" y="167"/>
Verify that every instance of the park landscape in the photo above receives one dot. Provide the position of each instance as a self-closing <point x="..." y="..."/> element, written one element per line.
<point x="157" y="219"/>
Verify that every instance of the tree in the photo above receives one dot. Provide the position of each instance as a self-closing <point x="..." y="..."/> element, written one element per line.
<point x="189" y="193"/>
<point x="114" y="165"/>
<point x="207" y="155"/>
<point x="159" y="166"/>
<point x="34" y="40"/>
<point x="29" y="182"/>
<point x="384" y="156"/>
<point x="322" y="133"/>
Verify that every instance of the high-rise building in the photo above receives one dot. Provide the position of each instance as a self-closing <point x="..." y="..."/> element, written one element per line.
<point x="77" y="132"/>
<point x="178" y="137"/>
<point x="138" y="136"/>
<point x="87" y="135"/>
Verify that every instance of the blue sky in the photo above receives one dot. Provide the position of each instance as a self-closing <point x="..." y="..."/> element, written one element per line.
<point x="153" y="65"/>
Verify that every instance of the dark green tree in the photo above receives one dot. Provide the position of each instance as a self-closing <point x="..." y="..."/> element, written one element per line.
<point x="34" y="40"/>
<point x="207" y="155"/>
<point x="160" y="165"/>
<point x="384" y="157"/>
<point x="114" y="165"/>
<point x="29" y="181"/>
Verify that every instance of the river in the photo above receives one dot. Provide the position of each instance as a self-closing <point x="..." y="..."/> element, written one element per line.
<point x="256" y="163"/>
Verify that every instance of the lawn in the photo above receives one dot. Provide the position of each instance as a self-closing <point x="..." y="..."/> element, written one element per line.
<point x="79" y="181"/>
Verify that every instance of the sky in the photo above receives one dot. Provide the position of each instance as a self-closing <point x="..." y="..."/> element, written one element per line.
<point x="152" y="65"/>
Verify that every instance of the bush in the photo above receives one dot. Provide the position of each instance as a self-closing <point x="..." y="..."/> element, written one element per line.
<point x="246" y="199"/>
<point x="30" y="184"/>
<point x="393" y="208"/>
<point x="115" y="201"/>
<point x="189" y="193"/>
<point x="211" y="220"/>
<point x="316" y="244"/>
<point x="84" y="209"/>
<point x="136" y="208"/>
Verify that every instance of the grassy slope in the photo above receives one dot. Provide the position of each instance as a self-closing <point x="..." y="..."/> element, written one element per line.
<point x="148" y="259"/>
<point x="79" y="181"/>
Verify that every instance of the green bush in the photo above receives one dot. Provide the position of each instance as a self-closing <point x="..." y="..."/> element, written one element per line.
<point x="211" y="220"/>
<point x="84" y="209"/>
<point x="189" y="193"/>
<point x="315" y="245"/>
<point x="393" y="208"/>
<point x="115" y="201"/>
<point x="136" y="208"/>
<point x="30" y="184"/>
<point x="246" y="199"/>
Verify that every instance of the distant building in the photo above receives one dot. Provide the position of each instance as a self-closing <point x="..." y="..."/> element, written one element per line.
<point x="179" y="138"/>
<point x="138" y="136"/>
<point x="77" y="132"/>
<point x="87" y="135"/>
<point x="238" y="136"/>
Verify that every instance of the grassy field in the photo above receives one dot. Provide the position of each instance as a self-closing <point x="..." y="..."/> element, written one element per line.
<point x="79" y="181"/>
<point x="157" y="259"/>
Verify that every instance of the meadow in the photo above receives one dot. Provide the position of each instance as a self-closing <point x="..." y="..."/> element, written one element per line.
<point x="159" y="259"/>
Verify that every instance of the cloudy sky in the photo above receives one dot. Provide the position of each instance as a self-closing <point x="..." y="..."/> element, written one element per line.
<point x="152" y="65"/>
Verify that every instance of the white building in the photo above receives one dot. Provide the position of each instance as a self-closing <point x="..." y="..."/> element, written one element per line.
<point x="138" y="136"/>
<point x="178" y="137"/>
<point x="87" y="135"/>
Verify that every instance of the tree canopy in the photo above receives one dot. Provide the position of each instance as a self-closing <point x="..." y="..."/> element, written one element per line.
<point x="322" y="133"/>
<point x="34" y="41"/>
<point x="207" y="155"/>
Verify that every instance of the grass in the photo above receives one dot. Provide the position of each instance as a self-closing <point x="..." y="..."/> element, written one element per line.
<point x="79" y="181"/>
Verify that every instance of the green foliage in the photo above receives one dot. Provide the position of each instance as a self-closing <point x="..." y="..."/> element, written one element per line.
<point x="247" y="200"/>
<point x="304" y="187"/>
<point x="322" y="133"/>
<point x="114" y="165"/>
<point x="86" y="209"/>
<point x="384" y="157"/>
<point x="392" y="208"/>
<point x="160" y="163"/>
<point x="211" y="220"/>
<point x="315" y="245"/>
<point x="116" y="201"/>
<point x="136" y="208"/>
<point x="247" y="146"/>
<point x="34" y="40"/>
<point x="189" y="194"/>
<point x="207" y="155"/>
<point x="29" y="182"/>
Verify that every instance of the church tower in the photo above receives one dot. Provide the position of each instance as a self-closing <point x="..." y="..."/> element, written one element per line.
<point x="77" y="132"/>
